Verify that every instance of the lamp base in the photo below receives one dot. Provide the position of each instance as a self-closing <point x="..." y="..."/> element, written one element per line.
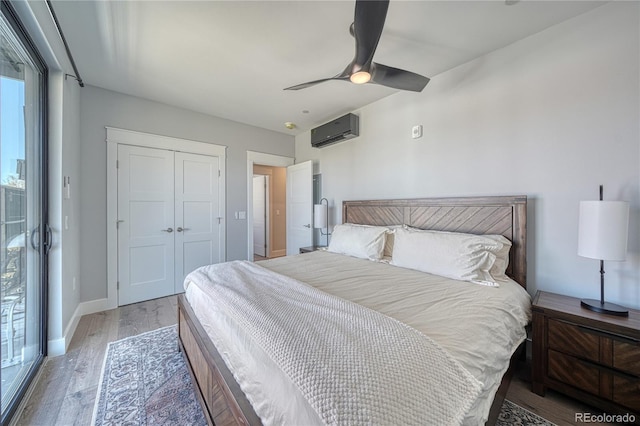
<point x="604" y="308"/>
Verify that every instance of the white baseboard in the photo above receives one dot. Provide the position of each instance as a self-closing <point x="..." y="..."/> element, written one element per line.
<point x="57" y="347"/>
<point x="93" y="306"/>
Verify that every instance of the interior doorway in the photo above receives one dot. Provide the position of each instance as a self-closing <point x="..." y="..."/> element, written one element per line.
<point x="271" y="160"/>
<point x="269" y="211"/>
<point x="260" y="213"/>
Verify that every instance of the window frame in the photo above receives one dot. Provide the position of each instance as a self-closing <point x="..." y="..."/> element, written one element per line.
<point x="43" y="123"/>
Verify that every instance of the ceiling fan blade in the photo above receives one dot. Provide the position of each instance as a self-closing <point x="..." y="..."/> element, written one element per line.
<point x="340" y="76"/>
<point x="308" y="84"/>
<point x="367" y="28"/>
<point x="397" y="78"/>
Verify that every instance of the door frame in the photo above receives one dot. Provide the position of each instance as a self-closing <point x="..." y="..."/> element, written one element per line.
<point x="117" y="137"/>
<point x="263" y="160"/>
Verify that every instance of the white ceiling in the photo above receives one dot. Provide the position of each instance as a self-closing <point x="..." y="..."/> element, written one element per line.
<point x="232" y="59"/>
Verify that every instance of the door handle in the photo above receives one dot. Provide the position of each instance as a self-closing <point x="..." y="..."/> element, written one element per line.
<point x="307" y="226"/>
<point x="48" y="239"/>
<point x="48" y="243"/>
<point x="180" y="229"/>
<point x="169" y="230"/>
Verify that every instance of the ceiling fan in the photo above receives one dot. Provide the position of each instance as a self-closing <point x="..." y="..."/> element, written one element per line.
<point x="366" y="29"/>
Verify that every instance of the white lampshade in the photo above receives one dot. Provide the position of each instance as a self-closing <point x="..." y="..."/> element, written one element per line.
<point x="319" y="216"/>
<point x="603" y="230"/>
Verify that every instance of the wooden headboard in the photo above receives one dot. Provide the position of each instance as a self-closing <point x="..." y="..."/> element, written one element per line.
<point x="500" y="215"/>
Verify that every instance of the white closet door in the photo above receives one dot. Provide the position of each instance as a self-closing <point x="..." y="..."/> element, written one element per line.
<point x="197" y="208"/>
<point x="146" y="221"/>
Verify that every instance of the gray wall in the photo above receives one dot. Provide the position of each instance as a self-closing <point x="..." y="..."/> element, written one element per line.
<point x="551" y="117"/>
<point x="69" y="208"/>
<point x="100" y="108"/>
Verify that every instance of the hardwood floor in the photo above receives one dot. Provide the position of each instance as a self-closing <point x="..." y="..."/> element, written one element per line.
<point x="66" y="391"/>
<point x="554" y="407"/>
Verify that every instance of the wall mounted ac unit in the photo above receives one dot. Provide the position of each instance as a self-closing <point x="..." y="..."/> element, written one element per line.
<point x="340" y="129"/>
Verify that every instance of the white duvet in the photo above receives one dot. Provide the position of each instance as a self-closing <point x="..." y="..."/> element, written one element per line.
<point x="479" y="326"/>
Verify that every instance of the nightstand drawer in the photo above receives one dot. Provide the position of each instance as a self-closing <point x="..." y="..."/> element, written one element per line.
<point x="626" y="391"/>
<point x="626" y="357"/>
<point x="571" y="339"/>
<point x="574" y="372"/>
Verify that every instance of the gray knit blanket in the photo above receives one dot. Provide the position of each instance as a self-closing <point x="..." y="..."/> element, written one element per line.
<point x="352" y="364"/>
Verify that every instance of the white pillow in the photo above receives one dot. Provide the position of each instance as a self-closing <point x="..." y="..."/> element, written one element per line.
<point x="464" y="257"/>
<point x="499" y="268"/>
<point x="388" y="245"/>
<point x="366" y="242"/>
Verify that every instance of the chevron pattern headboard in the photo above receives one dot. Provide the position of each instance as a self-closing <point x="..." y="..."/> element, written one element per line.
<point x="502" y="215"/>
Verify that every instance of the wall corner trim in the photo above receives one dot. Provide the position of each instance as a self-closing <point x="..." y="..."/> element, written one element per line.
<point x="57" y="347"/>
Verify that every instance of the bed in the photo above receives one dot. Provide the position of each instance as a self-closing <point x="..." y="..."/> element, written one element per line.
<point x="225" y="401"/>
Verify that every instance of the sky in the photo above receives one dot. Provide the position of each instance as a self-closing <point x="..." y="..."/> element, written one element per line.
<point x="11" y="126"/>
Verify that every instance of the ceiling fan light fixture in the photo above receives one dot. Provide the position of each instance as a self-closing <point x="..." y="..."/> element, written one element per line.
<point x="360" y="77"/>
<point x="367" y="26"/>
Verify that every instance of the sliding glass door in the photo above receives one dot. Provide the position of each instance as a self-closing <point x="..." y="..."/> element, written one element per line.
<point x="23" y="231"/>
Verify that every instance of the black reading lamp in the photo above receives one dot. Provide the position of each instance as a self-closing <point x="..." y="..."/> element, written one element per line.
<point x="321" y="217"/>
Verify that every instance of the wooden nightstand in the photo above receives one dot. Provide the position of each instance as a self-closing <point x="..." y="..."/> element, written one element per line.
<point x="589" y="356"/>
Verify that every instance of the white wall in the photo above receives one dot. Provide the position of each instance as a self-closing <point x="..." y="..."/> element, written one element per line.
<point x="100" y="108"/>
<point x="551" y="117"/>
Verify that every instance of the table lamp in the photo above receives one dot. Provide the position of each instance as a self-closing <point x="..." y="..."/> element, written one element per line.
<point x="602" y="234"/>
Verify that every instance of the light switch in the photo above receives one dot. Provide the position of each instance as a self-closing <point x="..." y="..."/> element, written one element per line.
<point x="67" y="187"/>
<point x="416" y="131"/>
<point x="242" y="215"/>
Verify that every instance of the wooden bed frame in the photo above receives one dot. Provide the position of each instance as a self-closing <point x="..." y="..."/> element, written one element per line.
<point x="223" y="401"/>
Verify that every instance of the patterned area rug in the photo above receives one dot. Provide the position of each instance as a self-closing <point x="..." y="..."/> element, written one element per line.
<point x="512" y="414"/>
<point x="145" y="382"/>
